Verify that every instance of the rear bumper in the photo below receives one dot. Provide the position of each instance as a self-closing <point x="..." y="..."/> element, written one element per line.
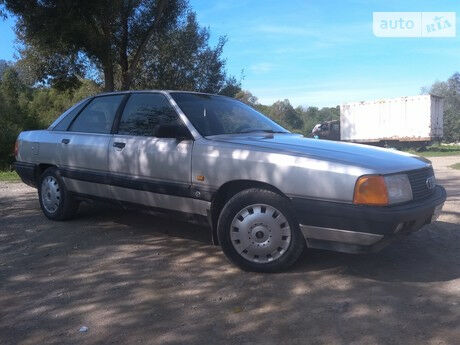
<point x="357" y="229"/>
<point x="26" y="172"/>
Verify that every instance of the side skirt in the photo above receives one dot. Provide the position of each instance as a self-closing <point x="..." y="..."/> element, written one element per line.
<point x="177" y="215"/>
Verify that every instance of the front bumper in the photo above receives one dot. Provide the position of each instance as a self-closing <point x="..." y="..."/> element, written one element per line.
<point x="357" y="228"/>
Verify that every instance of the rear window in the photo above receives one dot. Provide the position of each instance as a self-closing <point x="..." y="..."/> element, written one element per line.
<point x="67" y="119"/>
<point x="98" y="116"/>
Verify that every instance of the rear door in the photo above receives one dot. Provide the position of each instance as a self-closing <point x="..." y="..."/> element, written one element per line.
<point x="145" y="168"/>
<point x="83" y="150"/>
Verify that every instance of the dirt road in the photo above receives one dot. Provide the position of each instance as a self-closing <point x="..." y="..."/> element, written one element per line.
<point x="132" y="278"/>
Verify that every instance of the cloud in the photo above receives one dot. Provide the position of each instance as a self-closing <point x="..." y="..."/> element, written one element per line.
<point x="261" y="67"/>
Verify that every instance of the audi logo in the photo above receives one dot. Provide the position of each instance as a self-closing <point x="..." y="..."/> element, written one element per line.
<point x="430" y="182"/>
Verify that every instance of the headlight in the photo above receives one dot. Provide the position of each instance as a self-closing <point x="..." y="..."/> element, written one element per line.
<point x="380" y="190"/>
<point x="398" y="187"/>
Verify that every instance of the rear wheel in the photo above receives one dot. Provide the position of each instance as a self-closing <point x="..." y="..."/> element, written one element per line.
<point x="55" y="201"/>
<point x="258" y="232"/>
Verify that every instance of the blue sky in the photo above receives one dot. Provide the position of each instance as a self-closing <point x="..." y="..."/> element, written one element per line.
<point x="319" y="53"/>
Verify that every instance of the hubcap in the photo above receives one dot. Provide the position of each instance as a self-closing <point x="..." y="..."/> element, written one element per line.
<point x="260" y="233"/>
<point x="50" y="194"/>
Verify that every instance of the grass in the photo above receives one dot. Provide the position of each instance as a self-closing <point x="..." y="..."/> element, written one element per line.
<point x="438" y="151"/>
<point x="9" y="176"/>
<point x="456" y="166"/>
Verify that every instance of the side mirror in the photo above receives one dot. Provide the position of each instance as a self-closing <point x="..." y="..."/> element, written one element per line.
<point x="178" y="132"/>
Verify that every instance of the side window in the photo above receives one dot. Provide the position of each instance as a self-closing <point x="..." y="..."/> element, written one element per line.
<point x="98" y="116"/>
<point x="65" y="122"/>
<point x="144" y="113"/>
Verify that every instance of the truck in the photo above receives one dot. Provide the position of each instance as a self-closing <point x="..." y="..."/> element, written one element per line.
<point x="402" y="121"/>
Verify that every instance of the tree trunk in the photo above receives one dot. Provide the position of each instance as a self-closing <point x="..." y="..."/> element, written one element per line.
<point x="108" y="78"/>
<point x="124" y="65"/>
<point x="125" y="79"/>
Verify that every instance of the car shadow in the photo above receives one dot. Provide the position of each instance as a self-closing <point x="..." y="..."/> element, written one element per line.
<point x="430" y="255"/>
<point x="415" y="258"/>
<point x="145" y="221"/>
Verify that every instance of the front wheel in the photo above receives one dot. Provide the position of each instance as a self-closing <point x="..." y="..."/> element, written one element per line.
<point x="258" y="232"/>
<point x="55" y="201"/>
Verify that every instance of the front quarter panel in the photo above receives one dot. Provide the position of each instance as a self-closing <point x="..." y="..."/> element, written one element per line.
<point x="294" y="175"/>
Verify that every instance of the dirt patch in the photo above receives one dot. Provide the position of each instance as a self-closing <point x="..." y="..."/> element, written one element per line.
<point x="135" y="278"/>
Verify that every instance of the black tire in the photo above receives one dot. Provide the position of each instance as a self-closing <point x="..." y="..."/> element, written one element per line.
<point x="254" y="196"/>
<point x="67" y="206"/>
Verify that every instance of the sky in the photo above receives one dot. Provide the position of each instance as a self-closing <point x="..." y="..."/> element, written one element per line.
<point x="318" y="53"/>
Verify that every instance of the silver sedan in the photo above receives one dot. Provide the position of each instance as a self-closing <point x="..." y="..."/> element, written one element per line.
<point x="266" y="193"/>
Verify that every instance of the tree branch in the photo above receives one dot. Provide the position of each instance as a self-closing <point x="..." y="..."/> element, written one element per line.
<point x="148" y="35"/>
<point x="123" y="52"/>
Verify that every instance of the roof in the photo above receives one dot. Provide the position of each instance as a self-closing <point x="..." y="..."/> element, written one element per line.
<point x="156" y="90"/>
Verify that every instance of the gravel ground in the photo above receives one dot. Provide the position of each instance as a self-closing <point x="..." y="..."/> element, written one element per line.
<point x="135" y="278"/>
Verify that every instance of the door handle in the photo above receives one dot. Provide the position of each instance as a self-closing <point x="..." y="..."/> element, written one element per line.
<point x="119" y="145"/>
<point x="65" y="141"/>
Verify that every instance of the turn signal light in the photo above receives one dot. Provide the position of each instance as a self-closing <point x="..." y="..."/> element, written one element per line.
<point x="371" y="190"/>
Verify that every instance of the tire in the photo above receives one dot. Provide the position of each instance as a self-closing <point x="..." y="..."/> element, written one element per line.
<point x="55" y="201"/>
<point x="268" y="239"/>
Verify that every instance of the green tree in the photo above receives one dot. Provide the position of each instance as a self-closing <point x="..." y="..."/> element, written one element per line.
<point x="47" y="103"/>
<point x="247" y="97"/>
<point x="3" y="66"/>
<point x="313" y="115"/>
<point x="12" y="116"/>
<point x="126" y="44"/>
<point x="231" y="88"/>
<point x="25" y="108"/>
<point x="300" y="119"/>
<point x="110" y="34"/>
<point x="450" y="91"/>
<point x="283" y="113"/>
<point x="183" y="59"/>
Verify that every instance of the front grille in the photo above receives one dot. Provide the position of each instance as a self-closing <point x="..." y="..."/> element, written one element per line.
<point x="418" y="183"/>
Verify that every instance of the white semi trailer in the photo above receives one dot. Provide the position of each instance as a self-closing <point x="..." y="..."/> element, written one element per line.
<point x="417" y="119"/>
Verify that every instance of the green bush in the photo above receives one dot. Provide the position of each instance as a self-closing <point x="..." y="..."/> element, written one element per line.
<point x="26" y="108"/>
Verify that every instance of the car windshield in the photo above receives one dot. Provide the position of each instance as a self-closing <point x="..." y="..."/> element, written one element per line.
<point x="214" y="115"/>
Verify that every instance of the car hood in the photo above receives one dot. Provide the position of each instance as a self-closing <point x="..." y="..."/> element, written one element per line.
<point x="375" y="159"/>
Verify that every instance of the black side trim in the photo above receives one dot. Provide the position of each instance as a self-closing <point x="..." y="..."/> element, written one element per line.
<point x="370" y="219"/>
<point x="26" y="172"/>
<point x="88" y="176"/>
<point x="160" y="187"/>
<point x="178" y="215"/>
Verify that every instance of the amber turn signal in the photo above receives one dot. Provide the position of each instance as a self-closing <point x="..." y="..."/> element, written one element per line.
<point x="371" y="190"/>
